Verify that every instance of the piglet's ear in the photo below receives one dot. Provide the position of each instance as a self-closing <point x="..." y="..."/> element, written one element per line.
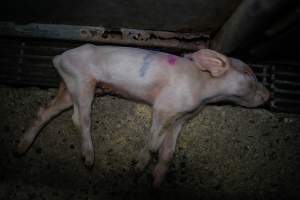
<point x="213" y="62"/>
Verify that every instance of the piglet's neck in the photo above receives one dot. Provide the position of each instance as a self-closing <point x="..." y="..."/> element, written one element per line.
<point x="214" y="90"/>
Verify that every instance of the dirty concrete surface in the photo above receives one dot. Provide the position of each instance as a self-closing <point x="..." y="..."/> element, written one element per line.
<point x="225" y="152"/>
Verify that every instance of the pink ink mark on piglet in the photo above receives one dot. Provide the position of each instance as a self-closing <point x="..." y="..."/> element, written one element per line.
<point x="172" y="59"/>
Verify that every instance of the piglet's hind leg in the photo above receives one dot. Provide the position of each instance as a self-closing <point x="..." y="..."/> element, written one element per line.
<point x="83" y="98"/>
<point x="60" y="103"/>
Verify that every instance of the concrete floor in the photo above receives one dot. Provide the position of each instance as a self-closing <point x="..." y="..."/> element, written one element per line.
<point x="225" y="152"/>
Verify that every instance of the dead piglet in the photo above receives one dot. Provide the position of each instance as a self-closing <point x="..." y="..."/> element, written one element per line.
<point x="177" y="88"/>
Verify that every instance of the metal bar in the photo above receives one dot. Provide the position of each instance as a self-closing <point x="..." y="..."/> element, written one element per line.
<point x="286" y="109"/>
<point x="292" y="17"/>
<point x="287" y="74"/>
<point x="123" y="36"/>
<point x="249" y="18"/>
<point x="293" y="83"/>
<point x="261" y="74"/>
<point x="39" y="66"/>
<point x="283" y="100"/>
<point x="284" y="91"/>
<point x="41" y="57"/>
<point x="258" y="66"/>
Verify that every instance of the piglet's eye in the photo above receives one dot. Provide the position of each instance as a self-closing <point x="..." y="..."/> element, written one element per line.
<point x="248" y="73"/>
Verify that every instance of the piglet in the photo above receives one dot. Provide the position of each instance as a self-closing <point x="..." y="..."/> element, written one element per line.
<point x="176" y="87"/>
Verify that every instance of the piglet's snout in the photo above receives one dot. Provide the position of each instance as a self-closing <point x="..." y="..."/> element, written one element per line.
<point x="263" y="93"/>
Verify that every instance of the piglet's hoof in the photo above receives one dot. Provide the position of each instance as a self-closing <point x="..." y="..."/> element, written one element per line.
<point x="156" y="183"/>
<point x="142" y="161"/>
<point x="21" y="148"/>
<point x="89" y="164"/>
<point x="88" y="159"/>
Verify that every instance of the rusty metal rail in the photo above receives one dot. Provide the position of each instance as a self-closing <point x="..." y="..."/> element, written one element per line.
<point x="122" y="36"/>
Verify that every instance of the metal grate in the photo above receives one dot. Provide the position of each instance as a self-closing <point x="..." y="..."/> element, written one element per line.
<point x="28" y="62"/>
<point x="285" y="85"/>
<point x="283" y="80"/>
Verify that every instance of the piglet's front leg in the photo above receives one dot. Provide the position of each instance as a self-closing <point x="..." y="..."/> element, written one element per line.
<point x="166" y="151"/>
<point x="83" y="98"/>
<point x="164" y="131"/>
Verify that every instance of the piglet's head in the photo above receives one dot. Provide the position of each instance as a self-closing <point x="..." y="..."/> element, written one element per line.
<point x="232" y="79"/>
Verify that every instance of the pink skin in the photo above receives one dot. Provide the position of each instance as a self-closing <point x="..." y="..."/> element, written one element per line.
<point x="172" y="59"/>
<point x="175" y="93"/>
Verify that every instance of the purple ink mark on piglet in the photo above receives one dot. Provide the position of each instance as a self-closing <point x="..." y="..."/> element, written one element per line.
<point x="172" y="59"/>
<point x="147" y="59"/>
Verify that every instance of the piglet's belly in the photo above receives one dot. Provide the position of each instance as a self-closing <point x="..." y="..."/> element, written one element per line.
<point x="148" y="95"/>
